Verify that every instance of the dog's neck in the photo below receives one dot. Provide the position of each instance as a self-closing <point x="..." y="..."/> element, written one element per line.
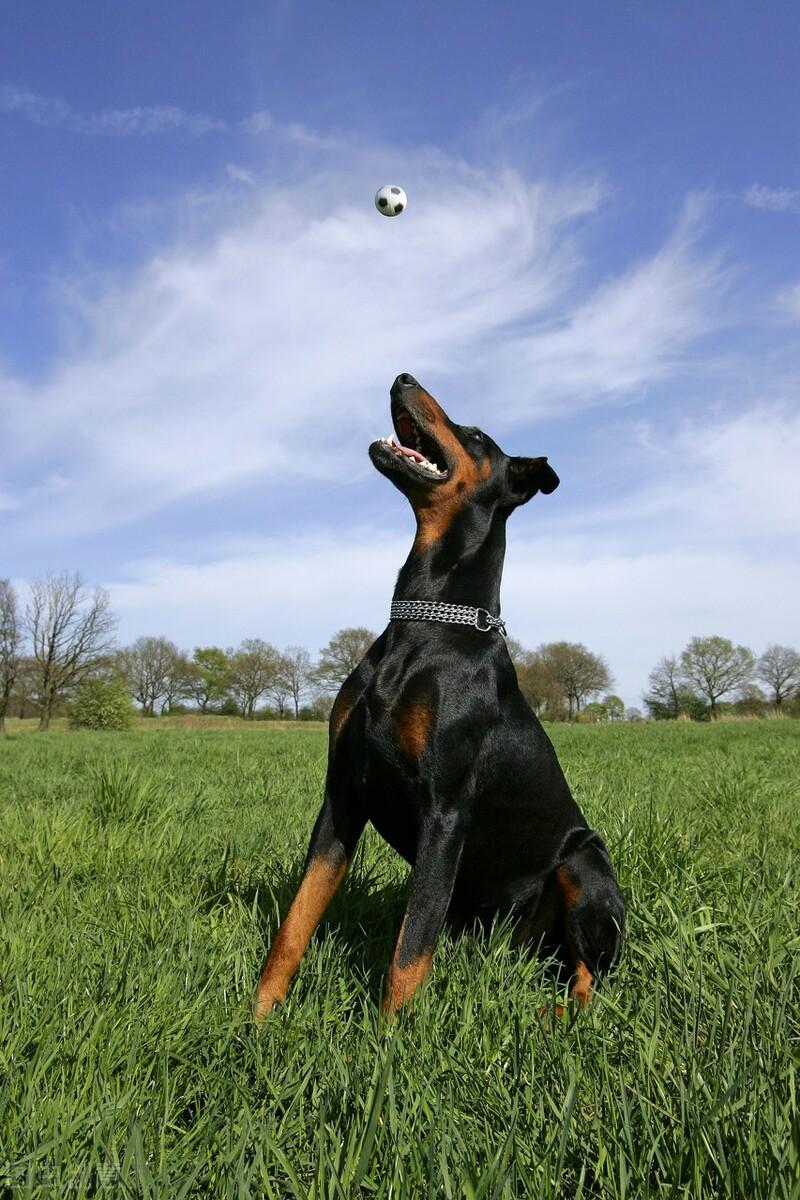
<point x="464" y="566"/>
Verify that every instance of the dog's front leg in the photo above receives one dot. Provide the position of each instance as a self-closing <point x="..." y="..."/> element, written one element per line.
<point x="337" y="830"/>
<point x="439" y="848"/>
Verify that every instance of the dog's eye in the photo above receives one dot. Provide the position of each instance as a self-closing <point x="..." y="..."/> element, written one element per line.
<point x="476" y="435"/>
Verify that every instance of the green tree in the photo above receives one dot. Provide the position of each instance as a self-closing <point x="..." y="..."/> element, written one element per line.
<point x="210" y="680"/>
<point x="614" y="706"/>
<point x="101" y="704"/>
<point x="594" y="713"/>
<point x="751" y="702"/>
<point x="715" y="666"/>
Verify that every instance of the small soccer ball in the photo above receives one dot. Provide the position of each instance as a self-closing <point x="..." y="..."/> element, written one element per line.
<point x="390" y="200"/>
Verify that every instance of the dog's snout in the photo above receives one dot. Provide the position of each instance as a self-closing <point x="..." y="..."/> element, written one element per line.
<point x="406" y="380"/>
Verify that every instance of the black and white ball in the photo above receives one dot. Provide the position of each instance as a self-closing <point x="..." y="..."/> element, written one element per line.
<point x="390" y="200"/>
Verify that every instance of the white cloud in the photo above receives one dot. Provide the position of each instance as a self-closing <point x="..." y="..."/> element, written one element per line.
<point x="720" y="481"/>
<point x="635" y="608"/>
<point x="283" y="590"/>
<point x="631" y="607"/>
<point x="758" y="195"/>
<point x="709" y="548"/>
<point x="264" y="347"/>
<point x="743" y="474"/>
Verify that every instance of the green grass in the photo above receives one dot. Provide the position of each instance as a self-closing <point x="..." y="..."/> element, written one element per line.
<point x="140" y="882"/>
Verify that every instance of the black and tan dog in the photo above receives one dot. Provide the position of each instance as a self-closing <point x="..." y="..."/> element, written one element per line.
<point x="432" y="741"/>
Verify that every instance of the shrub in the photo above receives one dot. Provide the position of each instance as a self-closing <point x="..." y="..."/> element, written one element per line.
<point x="101" y="704"/>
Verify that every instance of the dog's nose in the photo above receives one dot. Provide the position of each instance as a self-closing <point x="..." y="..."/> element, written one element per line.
<point x="406" y="381"/>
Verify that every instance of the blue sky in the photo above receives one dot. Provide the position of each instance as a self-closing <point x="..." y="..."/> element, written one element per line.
<point x="201" y="312"/>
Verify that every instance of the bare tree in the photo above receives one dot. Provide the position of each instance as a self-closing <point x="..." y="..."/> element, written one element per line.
<point x="9" y="646"/>
<point x="179" y="682"/>
<point x="279" y="689"/>
<point x="578" y="672"/>
<point x="715" y="666"/>
<point x="341" y="656"/>
<point x="667" y="688"/>
<point x="296" y="667"/>
<point x="666" y="682"/>
<point x="252" y="671"/>
<point x="24" y="690"/>
<point x="71" y="636"/>
<point x="147" y="666"/>
<point x="517" y="652"/>
<point x="779" y="668"/>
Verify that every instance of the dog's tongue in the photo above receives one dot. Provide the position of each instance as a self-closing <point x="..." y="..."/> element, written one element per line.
<point x="409" y="453"/>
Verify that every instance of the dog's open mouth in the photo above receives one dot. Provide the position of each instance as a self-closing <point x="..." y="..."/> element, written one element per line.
<point x="417" y="448"/>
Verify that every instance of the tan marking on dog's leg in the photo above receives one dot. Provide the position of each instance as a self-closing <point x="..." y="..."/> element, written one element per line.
<point x="412" y="728"/>
<point x="581" y="989"/>
<point x="404" y="982"/>
<point x="297" y="928"/>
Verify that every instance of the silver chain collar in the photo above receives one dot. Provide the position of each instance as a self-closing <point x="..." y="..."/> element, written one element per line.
<point x="452" y="614"/>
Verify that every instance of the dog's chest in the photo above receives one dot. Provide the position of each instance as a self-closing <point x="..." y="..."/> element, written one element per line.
<point x="390" y="788"/>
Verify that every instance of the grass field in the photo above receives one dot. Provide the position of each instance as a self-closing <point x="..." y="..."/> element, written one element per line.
<point x="140" y="880"/>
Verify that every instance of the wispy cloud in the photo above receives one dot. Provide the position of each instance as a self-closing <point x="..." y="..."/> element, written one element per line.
<point x="51" y="112"/>
<point x="630" y="332"/>
<point x="263" y="349"/>
<point x="733" y="480"/>
<point x="788" y="301"/>
<point x="48" y="112"/>
<point x="712" y="481"/>
<point x="240" y="174"/>
<point x="786" y="200"/>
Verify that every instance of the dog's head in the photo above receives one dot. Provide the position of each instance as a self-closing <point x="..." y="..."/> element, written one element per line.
<point x="443" y="468"/>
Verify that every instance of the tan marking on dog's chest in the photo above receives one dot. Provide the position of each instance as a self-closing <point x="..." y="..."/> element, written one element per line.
<point x="343" y="705"/>
<point x="412" y="729"/>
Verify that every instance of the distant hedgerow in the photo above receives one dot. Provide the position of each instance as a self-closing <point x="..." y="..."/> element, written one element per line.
<point x="101" y="704"/>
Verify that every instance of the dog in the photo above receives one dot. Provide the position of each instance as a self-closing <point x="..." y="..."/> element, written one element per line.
<point x="432" y="741"/>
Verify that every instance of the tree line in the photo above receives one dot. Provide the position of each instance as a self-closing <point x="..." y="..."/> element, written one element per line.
<point x="63" y="639"/>
<point x="694" y="683"/>
<point x="60" y="645"/>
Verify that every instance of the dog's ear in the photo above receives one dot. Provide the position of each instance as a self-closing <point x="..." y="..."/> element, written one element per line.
<point x="527" y="476"/>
